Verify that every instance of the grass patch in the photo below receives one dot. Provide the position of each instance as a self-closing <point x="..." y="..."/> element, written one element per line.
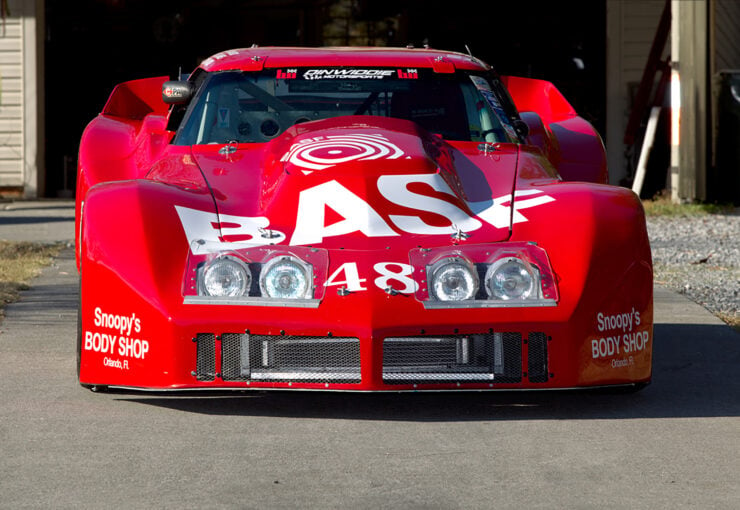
<point x="732" y="319"/>
<point x="661" y="205"/>
<point x="20" y="262"/>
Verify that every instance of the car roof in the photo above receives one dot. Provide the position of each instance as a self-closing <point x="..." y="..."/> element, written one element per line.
<point x="257" y="58"/>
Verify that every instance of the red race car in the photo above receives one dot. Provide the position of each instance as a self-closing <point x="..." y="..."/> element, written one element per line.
<point x="367" y="219"/>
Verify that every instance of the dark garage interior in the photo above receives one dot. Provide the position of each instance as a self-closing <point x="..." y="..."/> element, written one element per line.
<point x="91" y="45"/>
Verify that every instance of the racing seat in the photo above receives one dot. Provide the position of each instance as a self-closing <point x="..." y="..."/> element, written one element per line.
<point x="226" y="114"/>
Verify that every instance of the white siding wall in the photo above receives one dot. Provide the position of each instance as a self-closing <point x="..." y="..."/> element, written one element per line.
<point x="21" y="99"/>
<point x="11" y="99"/>
<point x="631" y="26"/>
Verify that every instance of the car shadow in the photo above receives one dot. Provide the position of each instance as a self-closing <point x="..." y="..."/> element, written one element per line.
<point x="694" y="375"/>
<point x="28" y="220"/>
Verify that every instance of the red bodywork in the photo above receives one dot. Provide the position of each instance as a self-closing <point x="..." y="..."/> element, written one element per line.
<point x="149" y="212"/>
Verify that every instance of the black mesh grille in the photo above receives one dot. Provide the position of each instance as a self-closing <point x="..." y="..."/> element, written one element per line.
<point x="290" y="358"/>
<point x="205" y="365"/>
<point x="537" y="369"/>
<point x="235" y="357"/>
<point x="492" y="357"/>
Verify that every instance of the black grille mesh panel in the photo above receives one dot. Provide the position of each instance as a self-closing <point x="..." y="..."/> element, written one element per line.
<point x="205" y="365"/>
<point x="290" y="358"/>
<point x="488" y="357"/>
<point x="492" y="357"/>
<point x="537" y="369"/>
<point x="234" y="351"/>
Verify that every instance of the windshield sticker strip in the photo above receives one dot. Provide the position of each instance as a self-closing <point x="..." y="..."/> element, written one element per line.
<point x="344" y="74"/>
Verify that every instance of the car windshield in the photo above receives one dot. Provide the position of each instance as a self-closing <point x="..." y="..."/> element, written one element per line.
<point x="255" y="107"/>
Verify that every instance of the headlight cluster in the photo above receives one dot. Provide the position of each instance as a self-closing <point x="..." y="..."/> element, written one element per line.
<point x="515" y="274"/>
<point x="507" y="279"/>
<point x="282" y="277"/>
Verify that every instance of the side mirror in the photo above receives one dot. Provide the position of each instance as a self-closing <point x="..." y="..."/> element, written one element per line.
<point x="177" y="92"/>
<point x="521" y="128"/>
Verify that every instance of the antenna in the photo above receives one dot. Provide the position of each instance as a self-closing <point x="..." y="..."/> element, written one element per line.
<point x="469" y="52"/>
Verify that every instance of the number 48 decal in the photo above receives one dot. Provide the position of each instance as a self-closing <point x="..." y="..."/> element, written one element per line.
<point x="348" y="276"/>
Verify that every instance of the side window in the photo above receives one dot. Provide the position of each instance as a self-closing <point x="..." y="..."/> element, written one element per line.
<point x="178" y="110"/>
<point x="507" y="104"/>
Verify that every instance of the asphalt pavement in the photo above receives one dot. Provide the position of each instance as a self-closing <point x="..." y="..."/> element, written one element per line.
<point x="44" y="221"/>
<point x="676" y="444"/>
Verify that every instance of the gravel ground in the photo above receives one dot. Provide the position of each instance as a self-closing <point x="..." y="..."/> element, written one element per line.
<point x="699" y="256"/>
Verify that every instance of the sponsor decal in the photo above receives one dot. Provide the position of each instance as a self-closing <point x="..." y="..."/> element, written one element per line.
<point x="326" y="151"/>
<point x="288" y="74"/>
<point x="485" y="90"/>
<point x="344" y="74"/>
<point x="207" y="231"/>
<point x="408" y="74"/>
<point x="116" y="335"/>
<point x="348" y="276"/>
<point x="219" y="56"/>
<point x="621" y="337"/>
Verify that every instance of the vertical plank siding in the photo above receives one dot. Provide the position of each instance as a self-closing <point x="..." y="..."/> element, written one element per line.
<point x="11" y="100"/>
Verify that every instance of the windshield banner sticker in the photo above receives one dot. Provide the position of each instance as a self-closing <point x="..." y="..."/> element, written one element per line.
<point x="347" y="74"/>
<point x="343" y="74"/>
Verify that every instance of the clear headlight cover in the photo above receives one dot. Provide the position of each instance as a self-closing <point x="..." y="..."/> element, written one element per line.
<point x="499" y="275"/>
<point x="453" y="279"/>
<point x="286" y="277"/>
<point x="225" y="276"/>
<point x="511" y="278"/>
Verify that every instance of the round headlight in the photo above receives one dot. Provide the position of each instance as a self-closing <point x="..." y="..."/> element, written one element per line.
<point x="226" y="277"/>
<point x="453" y="279"/>
<point x="510" y="278"/>
<point x="286" y="277"/>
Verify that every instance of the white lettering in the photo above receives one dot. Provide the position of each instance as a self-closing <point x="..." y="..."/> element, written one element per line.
<point x="603" y="347"/>
<point x="623" y="321"/>
<point x="133" y="348"/>
<point x="637" y="341"/>
<point x="207" y="231"/>
<point x="402" y="276"/>
<point x="352" y="279"/>
<point x="121" y="323"/>
<point x="395" y="189"/>
<point x="100" y="342"/>
<point x="358" y="215"/>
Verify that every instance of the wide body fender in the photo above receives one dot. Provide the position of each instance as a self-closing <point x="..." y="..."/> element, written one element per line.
<point x="132" y="262"/>
<point x="124" y="140"/>
<point x="598" y="246"/>
<point x="571" y="143"/>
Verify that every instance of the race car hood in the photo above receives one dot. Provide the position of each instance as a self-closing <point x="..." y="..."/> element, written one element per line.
<point x="358" y="183"/>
